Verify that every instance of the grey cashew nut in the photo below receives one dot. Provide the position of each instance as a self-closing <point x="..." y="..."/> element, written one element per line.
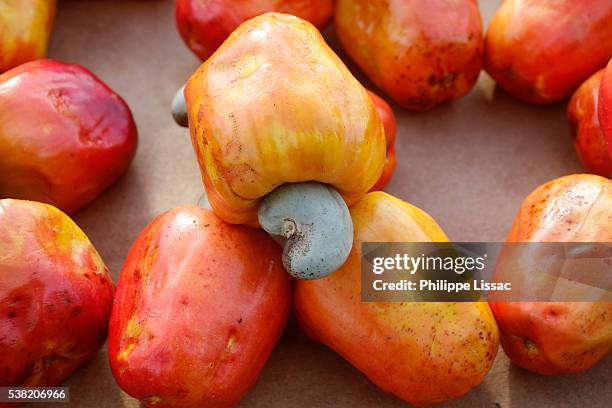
<point x="179" y="108"/>
<point x="317" y="226"/>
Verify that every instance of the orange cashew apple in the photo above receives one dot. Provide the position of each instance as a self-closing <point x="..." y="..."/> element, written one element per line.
<point x="541" y="51"/>
<point x="421" y="53"/>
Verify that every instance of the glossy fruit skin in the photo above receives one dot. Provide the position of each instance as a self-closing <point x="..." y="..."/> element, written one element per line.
<point x="55" y="295"/>
<point x="605" y="105"/>
<point x="25" y="27"/>
<point x="390" y="125"/>
<point x="81" y="138"/>
<point x="554" y="338"/>
<point x="199" y="306"/>
<point x="269" y="120"/>
<point x="391" y="343"/>
<point x="589" y="139"/>
<point x="541" y="51"/>
<point x="419" y="53"/>
<point x="204" y="25"/>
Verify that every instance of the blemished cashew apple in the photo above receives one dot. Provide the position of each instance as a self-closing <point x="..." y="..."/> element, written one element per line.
<point x="204" y="25"/>
<point x="555" y="338"/>
<point x="605" y="105"/>
<point x="420" y="53"/>
<point x="55" y="295"/>
<point x="286" y="138"/>
<point x="541" y="51"/>
<point x="25" y="27"/>
<point x="65" y="136"/>
<point x="421" y="352"/>
<point x="589" y="140"/>
<point x="200" y="304"/>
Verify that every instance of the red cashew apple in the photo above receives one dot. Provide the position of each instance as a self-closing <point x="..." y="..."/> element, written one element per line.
<point x="200" y="304"/>
<point x="541" y="51"/>
<point x="555" y="338"/>
<point x="589" y="139"/>
<point x="204" y="25"/>
<point x="65" y="136"/>
<point x="605" y="105"/>
<point x="25" y="27"/>
<point x="390" y="125"/>
<point x="420" y="53"/>
<point x="55" y="295"/>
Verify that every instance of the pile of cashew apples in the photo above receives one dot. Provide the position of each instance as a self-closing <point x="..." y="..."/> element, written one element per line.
<point x="294" y="153"/>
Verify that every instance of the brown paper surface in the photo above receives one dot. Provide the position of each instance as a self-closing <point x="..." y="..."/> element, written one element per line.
<point x="468" y="163"/>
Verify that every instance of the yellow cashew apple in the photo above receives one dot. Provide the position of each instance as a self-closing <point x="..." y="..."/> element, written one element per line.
<point x="275" y="105"/>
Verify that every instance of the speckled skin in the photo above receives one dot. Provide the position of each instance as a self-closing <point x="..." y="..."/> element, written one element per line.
<point x="25" y="27"/>
<point x="423" y="353"/>
<point x="81" y="138"/>
<point x="200" y="304"/>
<point x="204" y="25"/>
<point x="541" y="51"/>
<point x="589" y="139"/>
<point x="390" y="125"/>
<point x="275" y="105"/>
<point x="605" y="105"/>
<point x="55" y="295"/>
<point x="420" y="53"/>
<point x="561" y="337"/>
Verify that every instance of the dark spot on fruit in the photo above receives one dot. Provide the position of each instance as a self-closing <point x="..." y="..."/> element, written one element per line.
<point x="529" y="345"/>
